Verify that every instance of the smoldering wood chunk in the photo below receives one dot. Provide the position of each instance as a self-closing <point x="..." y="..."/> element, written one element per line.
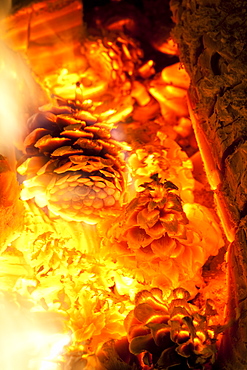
<point x="212" y="38"/>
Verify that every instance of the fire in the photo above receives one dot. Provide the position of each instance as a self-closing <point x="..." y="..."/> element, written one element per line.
<point x="115" y="227"/>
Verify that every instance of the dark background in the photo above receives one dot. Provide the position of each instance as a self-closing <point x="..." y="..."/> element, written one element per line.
<point x="152" y="17"/>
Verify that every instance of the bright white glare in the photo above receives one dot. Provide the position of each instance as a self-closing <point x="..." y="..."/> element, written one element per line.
<point x="60" y="341"/>
<point x="38" y="350"/>
<point x="48" y="348"/>
<point x="26" y="343"/>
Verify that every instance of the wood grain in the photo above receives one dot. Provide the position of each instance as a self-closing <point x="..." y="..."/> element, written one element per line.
<point x="212" y="37"/>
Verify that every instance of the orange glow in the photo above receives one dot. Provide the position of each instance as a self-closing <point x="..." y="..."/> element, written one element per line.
<point x="13" y="104"/>
<point x="168" y="47"/>
<point x="201" y="336"/>
<point x="213" y="178"/>
<point x="157" y="318"/>
<point x="164" y="157"/>
<point x="227" y="223"/>
<point x="211" y="333"/>
<point x="198" y="344"/>
<point x="175" y="75"/>
<point x="183" y="336"/>
<point x="111" y="229"/>
<point x="210" y="166"/>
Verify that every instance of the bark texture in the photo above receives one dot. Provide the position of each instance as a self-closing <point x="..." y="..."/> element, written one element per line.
<point x="212" y="38"/>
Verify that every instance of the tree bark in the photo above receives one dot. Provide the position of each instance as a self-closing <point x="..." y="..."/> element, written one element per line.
<point x="212" y="37"/>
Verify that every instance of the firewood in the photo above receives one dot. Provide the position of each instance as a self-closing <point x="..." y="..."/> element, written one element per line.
<point x="211" y="36"/>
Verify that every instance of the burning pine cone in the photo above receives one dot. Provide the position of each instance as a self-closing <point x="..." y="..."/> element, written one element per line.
<point x="155" y="211"/>
<point x="162" y="240"/>
<point x="169" y="333"/>
<point x="72" y="165"/>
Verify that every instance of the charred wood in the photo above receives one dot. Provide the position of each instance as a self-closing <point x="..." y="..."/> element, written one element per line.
<point x="212" y="37"/>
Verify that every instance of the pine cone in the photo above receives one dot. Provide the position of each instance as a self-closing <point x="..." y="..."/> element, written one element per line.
<point x="165" y="157"/>
<point x="171" y="332"/>
<point x="146" y="233"/>
<point x="162" y="240"/>
<point x="72" y="165"/>
<point x="157" y="211"/>
<point x="115" y="57"/>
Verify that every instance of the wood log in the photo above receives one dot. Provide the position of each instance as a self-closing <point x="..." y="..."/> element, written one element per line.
<point x="212" y="37"/>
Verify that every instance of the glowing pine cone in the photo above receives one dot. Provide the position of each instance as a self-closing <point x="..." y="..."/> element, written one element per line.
<point x="72" y="165"/>
<point x="156" y="211"/>
<point x="165" y="157"/>
<point x="161" y="240"/>
<point x="148" y="234"/>
<point x="171" y="333"/>
<point x="150" y="222"/>
<point x="116" y="58"/>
